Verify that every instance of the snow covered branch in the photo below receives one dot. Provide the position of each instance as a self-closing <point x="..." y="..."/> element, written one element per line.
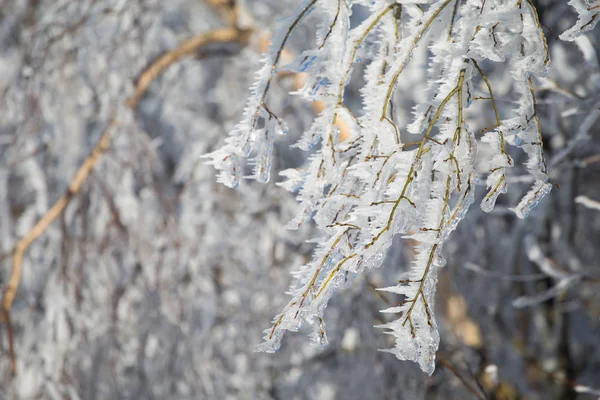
<point x="395" y="177"/>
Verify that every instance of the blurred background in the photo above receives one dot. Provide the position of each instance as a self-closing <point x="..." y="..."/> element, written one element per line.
<point x="156" y="282"/>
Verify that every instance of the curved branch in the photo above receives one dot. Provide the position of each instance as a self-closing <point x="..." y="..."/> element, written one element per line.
<point x="40" y="227"/>
<point x="186" y="48"/>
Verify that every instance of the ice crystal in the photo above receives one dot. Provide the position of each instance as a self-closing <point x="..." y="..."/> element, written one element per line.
<point x="389" y="176"/>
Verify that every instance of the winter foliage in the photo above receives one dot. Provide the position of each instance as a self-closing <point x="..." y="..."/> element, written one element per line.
<point x="395" y="176"/>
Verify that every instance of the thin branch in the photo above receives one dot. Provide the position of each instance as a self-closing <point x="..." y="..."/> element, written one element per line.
<point x="40" y="227"/>
<point x="186" y="48"/>
<point x="416" y="40"/>
<point x="470" y="387"/>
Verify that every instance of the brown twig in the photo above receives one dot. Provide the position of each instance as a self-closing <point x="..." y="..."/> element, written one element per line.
<point x="470" y="388"/>
<point x="229" y="10"/>
<point x="187" y="47"/>
<point x="40" y="227"/>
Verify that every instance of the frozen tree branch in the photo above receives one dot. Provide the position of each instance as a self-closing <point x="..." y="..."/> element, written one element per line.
<point x="587" y="202"/>
<point x="364" y="191"/>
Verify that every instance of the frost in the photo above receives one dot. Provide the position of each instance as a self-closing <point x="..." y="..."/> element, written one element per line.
<point x="362" y="192"/>
<point x="532" y="198"/>
<point x="254" y="134"/>
<point x="588" y="14"/>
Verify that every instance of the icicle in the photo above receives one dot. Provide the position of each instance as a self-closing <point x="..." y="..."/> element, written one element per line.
<point x="532" y="198"/>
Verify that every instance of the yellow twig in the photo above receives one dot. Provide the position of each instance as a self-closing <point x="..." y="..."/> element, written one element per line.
<point x="187" y="47"/>
<point x="40" y="227"/>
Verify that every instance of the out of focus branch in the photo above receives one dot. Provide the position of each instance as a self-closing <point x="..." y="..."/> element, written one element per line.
<point x="190" y="46"/>
<point x="40" y="227"/>
<point x="227" y="9"/>
<point x="478" y="394"/>
<point x="587" y="202"/>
